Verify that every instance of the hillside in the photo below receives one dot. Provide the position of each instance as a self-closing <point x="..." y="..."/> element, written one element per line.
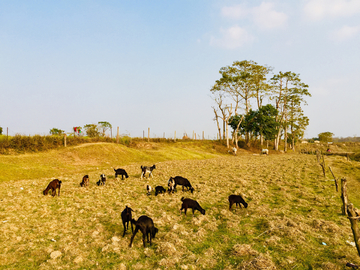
<point x="293" y="220"/>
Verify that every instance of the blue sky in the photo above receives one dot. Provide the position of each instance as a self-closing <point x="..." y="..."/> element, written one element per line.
<point x="151" y="64"/>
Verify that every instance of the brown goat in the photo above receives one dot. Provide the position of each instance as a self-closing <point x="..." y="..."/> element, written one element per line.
<point x="53" y="185"/>
<point x="85" y="181"/>
<point x="189" y="203"/>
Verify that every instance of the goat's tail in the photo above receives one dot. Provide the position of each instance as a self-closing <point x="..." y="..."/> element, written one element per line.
<point x="182" y="199"/>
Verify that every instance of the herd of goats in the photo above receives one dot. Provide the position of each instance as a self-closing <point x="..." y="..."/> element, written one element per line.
<point x="145" y="224"/>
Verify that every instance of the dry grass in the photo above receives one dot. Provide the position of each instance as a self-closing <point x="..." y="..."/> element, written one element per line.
<point x="292" y="211"/>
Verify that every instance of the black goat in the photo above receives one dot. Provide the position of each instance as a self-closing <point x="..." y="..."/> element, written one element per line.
<point x="189" y="203"/>
<point x="179" y="180"/>
<point x="126" y="217"/>
<point x="146" y="169"/>
<point x="102" y="180"/>
<point x="53" y="185"/>
<point x="121" y="172"/>
<point x="159" y="189"/>
<point x="146" y="226"/>
<point x="238" y="200"/>
<point x="85" y="181"/>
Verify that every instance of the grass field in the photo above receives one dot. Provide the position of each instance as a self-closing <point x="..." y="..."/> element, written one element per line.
<point x="293" y="220"/>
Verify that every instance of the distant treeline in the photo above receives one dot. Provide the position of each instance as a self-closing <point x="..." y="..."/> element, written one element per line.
<point x="346" y="139"/>
<point x="36" y="143"/>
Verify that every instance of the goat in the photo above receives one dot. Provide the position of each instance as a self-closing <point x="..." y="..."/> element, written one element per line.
<point x="126" y="217"/>
<point x="85" y="181"/>
<point x="148" y="189"/>
<point x="159" y="189"/>
<point x="171" y="184"/>
<point x="238" y="200"/>
<point x="53" y="185"/>
<point x="265" y="151"/>
<point x="146" y="169"/>
<point x="121" y="172"/>
<point x="146" y="226"/>
<point x="102" y="180"/>
<point x="189" y="203"/>
<point x="179" y="180"/>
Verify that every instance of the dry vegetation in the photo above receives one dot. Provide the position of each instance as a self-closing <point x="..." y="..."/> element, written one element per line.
<point x="292" y="211"/>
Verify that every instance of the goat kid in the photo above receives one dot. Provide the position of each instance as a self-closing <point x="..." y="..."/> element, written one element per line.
<point x="238" y="200"/>
<point x="102" y="180"/>
<point x="146" y="226"/>
<point x="179" y="180"/>
<point x="53" y="185"/>
<point x="171" y="184"/>
<point x="148" y="189"/>
<point x="159" y="189"/>
<point x="121" y="172"/>
<point x="189" y="203"/>
<point x="265" y="151"/>
<point x="126" y="217"/>
<point x="85" y="181"/>
<point x="146" y="169"/>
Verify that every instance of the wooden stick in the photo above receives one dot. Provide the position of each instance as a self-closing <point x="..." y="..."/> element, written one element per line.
<point x="354" y="226"/>
<point x="336" y="185"/>
<point x="344" y="196"/>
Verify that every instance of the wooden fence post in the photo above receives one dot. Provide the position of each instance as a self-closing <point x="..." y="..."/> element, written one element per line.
<point x="117" y="135"/>
<point x="65" y="140"/>
<point x="203" y="135"/>
<point x="175" y="136"/>
<point x="353" y="217"/>
<point x="344" y="196"/>
<point x="336" y="185"/>
<point x="148" y="134"/>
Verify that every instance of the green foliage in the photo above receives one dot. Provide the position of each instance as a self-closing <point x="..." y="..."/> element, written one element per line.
<point x="262" y="121"/>
<point x="326" y="136"/>
<point x="55" y="131"/>
<point x="1" y="130"/>
<point x="92" y="130"/>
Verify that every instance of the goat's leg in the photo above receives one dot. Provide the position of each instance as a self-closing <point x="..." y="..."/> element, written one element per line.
<point x="133" y="235"/>
<point x="53" y="192"/>
<point x="230" y="204"/>
<point x="124" y="228"/>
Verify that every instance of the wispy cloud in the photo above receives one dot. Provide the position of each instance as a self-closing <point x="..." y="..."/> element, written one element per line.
<point x="264" y="16"/>
<point x="320" y="9"/>
<point x="345" y="33"/>
<point x="232" y="38"/>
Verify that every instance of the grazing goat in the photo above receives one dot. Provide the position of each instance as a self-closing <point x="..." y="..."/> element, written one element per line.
<point x="238" y="200"/>
<point x="121" y="172"/>
<point x="146" y="169"/>
<point x="159" y="189"/>
<point x="171" y="184"/>
<point x="53" y="185"/>
<point x="126" y="217"/>
<point x="148" y="189"/>
<point x="85" y="181"/>
<point x="178" y="180"/>
<point x="265" y="151"/>
<point x="146" y="226"/>
<point x="189" y="203"/>
<point x="102" y="180"/>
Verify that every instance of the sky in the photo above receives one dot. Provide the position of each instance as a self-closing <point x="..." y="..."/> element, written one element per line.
<point x="151" y="64"/>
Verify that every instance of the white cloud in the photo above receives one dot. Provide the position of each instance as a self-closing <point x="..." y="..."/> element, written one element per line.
<point x="344" y="33"/>
<point x="232" y="38"/>
<point x="319" y="9"/>
<point x="264" y="16"/>
<point x="267" y="18"/>
<point x="235" y="12"/>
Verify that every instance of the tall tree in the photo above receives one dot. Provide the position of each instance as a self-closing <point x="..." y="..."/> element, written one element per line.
<point x="104" y="126"/>
<point x="286" y="86"/>
<point x="92" y="130"/>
